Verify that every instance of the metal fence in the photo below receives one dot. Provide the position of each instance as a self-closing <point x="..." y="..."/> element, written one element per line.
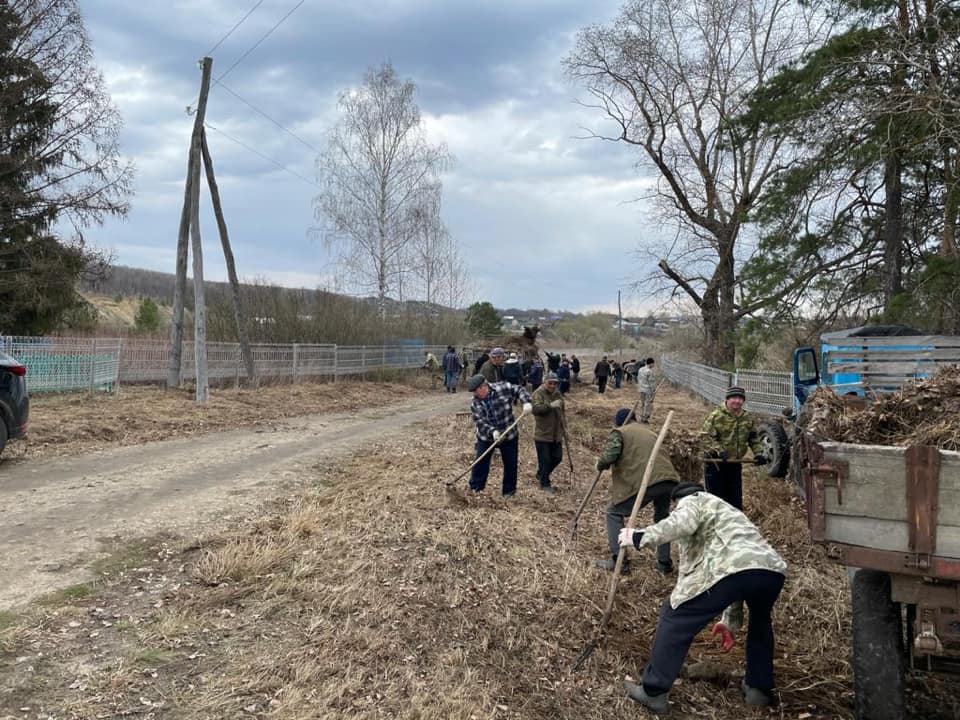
<point x="769" y="392"/>
<point x="96" y="363"/>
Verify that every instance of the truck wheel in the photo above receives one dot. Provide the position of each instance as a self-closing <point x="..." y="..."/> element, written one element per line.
<point x="878" y="667"/>
<point x="776" y="446"/>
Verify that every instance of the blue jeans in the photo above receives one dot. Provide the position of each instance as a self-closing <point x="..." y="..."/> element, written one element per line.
<point x="508" y="454"/>
<point x="677" y="628"/>
<point x="450" y="380"/>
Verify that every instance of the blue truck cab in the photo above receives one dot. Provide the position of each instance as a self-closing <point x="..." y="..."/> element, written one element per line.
<point x="872" y="358"/>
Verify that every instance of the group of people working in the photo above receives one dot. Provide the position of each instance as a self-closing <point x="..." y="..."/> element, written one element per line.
<point x="724" y="560"/>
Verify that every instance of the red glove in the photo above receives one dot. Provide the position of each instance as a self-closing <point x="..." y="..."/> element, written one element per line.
<point x="726" y="639"/>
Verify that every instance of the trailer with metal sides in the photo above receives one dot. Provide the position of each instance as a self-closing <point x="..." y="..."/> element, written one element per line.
<point x="892" y="516"/>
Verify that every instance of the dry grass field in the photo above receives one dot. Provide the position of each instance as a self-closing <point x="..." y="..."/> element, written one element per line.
<point x="374" y="595"/>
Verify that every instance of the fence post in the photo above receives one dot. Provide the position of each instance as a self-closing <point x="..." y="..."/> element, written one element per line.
<point x="236" y="370"/>
<point x="335" y="353"/>
<point x="93" y="365"/>
<point x="296" y="351"/>
<point x="116" y="371"/>
<point x="363" y="361"/>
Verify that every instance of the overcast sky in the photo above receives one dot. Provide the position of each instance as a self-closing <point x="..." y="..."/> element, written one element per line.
<point x="544" y="218"/>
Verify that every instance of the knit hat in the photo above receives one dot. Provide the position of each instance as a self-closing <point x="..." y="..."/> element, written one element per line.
<point x="550" y="377"/>
<point x="475" y="381"/>
<point x="736" y="391"/>
<point x="623" y="414"/>
<point x="497" y="351"/>
<point x="685" y="488"/>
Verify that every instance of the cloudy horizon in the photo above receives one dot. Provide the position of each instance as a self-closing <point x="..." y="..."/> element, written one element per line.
<point x="544" y="218"/>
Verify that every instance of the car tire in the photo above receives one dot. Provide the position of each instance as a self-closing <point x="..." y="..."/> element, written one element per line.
<point x="878" y="663"/>
<point x="776" y="446"/>
<point x="3" y="435"/>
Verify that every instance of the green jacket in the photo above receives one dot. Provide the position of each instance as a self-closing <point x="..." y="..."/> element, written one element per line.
<point x="493" y="373"/>
<point x="627" y="451"/>
<point x="722" y="430"/>
<point x="715" y="540"/>
<point x="549" y="421"/>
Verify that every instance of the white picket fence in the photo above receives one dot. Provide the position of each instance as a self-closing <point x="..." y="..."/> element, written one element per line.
<point x="769" y="392"/>
<point x="55" y="363"/>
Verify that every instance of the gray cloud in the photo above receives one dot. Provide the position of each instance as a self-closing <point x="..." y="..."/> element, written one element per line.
<point x="527" y="200"/>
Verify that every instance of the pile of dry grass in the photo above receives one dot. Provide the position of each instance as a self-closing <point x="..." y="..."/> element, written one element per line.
<point x="924" y="412"/>
<point x="376" y="597"/>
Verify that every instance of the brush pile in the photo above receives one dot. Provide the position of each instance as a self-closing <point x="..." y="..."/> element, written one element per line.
<point x="924" y="412"/>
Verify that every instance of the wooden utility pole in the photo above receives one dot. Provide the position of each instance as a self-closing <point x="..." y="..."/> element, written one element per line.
<point x="228" y="257"/>
<point x="620" y="325"/>
<point x="190" y="227"/>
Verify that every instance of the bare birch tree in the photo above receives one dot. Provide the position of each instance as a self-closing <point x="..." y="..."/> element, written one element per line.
<point x="377" y="166"/>
<point x="672" y="76"/>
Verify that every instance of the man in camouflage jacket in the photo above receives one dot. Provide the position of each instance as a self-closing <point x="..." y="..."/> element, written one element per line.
<point x="723" y="559"/>
<point x="727" y="433"/>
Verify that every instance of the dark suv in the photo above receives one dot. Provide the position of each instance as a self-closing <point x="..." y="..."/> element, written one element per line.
<point x="14" y="401"/>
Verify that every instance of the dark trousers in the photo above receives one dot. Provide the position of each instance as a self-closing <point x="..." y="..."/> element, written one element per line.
<point x="617" y="380"/>
<point x="508" y="454"/>
<point x="618" y="513"/>
<point x="601" y="384"/>
<point x="549" y="455"/>
<point x="725" y="480"/>
<point x="677" y="628"/>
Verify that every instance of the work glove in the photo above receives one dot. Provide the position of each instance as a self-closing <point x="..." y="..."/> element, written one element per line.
<point x="527" y="408"/>
<point x="760" y="459"/>
<point x="629" y="537"/>
<point x="556" y="404"/>
<point x="725" y="637"/>
<point x="496" y="435"/>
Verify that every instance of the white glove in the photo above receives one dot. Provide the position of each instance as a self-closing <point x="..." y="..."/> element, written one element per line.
<point x="496" y="435"/>
<point x="527" y="408"/>
<point x="557" y="404"/>
<point x="625" y="538"/>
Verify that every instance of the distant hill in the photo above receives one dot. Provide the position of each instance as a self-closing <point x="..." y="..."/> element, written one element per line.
<point x="121" y="281"/>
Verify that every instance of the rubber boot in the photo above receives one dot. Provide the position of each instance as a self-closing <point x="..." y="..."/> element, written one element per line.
<point x="610" y="565"/>
<point x="657" y="704"/>
<point x="755" y="696"/>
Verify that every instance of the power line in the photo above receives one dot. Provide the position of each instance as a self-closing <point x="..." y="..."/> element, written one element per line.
<point x="261" y="155"/>
<point x="258" y="42"/>
<point x="253" y="107"/>
<point x="233" y="29"/>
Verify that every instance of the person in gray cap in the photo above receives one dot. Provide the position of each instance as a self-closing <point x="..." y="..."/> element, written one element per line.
<point x="548" y="413"/>
<point x="492" y="369"/>
<point x="492" y="411"/>
<point x="727" y="433"/>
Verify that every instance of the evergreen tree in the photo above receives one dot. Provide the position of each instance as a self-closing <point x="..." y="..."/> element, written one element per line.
<point x="862" y="219"/>
<point x="59" y="161"/>
<point x="482" y="319"/>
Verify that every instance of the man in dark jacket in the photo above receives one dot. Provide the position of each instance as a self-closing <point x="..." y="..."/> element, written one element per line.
<point x="627" y="451"/>
<point x="553" y="362"/>
<point x="536" y="374"/>
<point x="481" y="361"/>
<point x="575" y="368"/>
<point x="548" y="435"/>
<point x="451" y="369"/>
<point x="601" y="372"/>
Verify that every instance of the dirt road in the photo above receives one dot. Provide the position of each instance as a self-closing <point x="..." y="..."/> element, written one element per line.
<point x="58" y="515"/>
